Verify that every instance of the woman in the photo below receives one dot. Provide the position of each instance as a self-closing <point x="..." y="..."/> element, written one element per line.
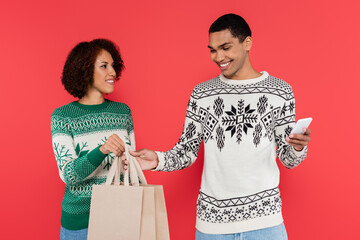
<point x="85" y="133"/>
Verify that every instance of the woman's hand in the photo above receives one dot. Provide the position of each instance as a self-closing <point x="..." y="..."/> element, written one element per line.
<point x="113" y="144"/>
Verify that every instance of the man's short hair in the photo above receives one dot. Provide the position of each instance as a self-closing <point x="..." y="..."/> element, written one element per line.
<point x="235" y="23"/>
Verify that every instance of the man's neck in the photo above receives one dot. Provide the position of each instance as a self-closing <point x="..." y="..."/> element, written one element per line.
<point x="244" y="75"/>
<point x="246" y="72"/>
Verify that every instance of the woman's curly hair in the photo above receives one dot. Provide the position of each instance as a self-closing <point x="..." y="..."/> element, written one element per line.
<point x="78" y="72"/>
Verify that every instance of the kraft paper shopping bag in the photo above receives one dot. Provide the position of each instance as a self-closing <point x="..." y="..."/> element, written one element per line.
<point x="129" y="211"/>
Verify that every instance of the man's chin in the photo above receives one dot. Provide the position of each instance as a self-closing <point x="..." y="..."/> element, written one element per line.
<point x="227" y="74"/>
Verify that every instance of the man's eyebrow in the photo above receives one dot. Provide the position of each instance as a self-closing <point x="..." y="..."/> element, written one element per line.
<point x="222" y="45"/>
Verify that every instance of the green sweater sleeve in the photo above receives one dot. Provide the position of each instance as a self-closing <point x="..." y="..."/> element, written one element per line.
<point x="74" y="165"/>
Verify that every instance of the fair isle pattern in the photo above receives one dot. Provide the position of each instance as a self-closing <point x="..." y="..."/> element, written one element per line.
<point x="76" y="171"/>
<point x="261" y="204"/>
<point x="286" y="154"/>
<point x="233" y="202"/>
<point x="77" y="133"/>
<point x="270" y="85"/>
<point x="85" y="190"/>
<point x="241" y="124"/>
<point x="91" y="122"/>
<point x="223" y="121"/>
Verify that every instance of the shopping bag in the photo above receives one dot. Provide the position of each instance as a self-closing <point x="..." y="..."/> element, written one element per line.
<point x="129" y="211"/>
<point x="161" y="221"/>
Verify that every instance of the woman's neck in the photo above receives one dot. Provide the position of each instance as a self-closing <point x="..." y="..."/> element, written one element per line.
<point x="93" y="98"/>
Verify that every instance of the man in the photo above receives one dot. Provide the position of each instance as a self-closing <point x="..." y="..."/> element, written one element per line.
<point x="244" y="118"/>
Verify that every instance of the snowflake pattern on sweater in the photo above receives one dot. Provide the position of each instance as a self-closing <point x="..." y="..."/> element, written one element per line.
<point x="241" y="123"/>
<point x="77" y="133"/>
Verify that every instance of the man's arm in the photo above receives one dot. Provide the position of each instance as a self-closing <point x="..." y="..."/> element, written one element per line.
<point x="183" y="154"/>
<point x="292" y="148"/>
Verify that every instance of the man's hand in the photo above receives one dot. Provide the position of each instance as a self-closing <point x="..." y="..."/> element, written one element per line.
<point x="113" y="144"/>
<point x="299" y="141"/>
<point x="147" y="159"/>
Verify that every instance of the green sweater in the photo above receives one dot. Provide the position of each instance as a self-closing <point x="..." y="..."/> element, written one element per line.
<point x="78" y="131"/>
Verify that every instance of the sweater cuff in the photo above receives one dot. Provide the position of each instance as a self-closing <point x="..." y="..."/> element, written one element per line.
<point x="300" y="153"/>
<point x="161" y="157"/>
<point x="96" y="157"/>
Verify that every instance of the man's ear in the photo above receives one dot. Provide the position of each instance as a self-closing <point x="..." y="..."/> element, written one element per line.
<point x="247" y="43"/>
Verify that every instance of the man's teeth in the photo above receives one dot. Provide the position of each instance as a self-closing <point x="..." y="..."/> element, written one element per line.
<point x="224" y="64"/>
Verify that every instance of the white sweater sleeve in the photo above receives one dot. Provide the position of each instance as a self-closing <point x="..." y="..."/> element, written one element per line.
<point x="184" y="153"/>
<point x="284" y="124"/>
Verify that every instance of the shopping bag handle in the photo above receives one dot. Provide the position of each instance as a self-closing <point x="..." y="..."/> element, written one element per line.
<point x="114" y="172"/>
<point x="134" y="170"/>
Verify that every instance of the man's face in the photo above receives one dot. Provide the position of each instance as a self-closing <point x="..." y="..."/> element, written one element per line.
<point x="228" y="53"/>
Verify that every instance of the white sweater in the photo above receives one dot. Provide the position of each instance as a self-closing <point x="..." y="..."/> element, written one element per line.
<point x="242" y="122"/>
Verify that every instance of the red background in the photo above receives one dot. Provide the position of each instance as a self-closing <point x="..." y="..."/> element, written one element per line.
<point x="313" y="45"/>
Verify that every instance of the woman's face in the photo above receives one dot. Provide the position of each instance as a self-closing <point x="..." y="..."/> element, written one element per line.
<point x="104" y="73"/>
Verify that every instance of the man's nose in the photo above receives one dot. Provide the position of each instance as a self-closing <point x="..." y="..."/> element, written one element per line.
<point x="219" y="57"/>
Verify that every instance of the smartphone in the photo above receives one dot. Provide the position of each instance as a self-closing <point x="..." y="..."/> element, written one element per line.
<point x="300" y="125"/>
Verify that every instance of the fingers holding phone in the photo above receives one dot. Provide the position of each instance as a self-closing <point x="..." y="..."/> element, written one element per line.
<point x="300" y="135"/>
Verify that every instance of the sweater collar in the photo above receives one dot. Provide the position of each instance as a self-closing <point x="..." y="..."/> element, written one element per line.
<point x="263" y="76"/>
<point x="92" y="107"/>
